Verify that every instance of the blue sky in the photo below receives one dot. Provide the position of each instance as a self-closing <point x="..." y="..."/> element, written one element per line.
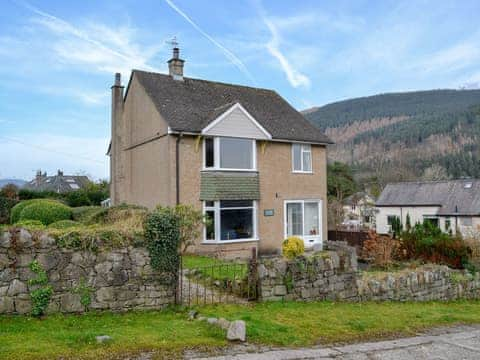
<point x="58" y="59"/>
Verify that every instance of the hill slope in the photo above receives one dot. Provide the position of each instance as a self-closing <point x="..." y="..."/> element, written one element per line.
<point x="405" y="136"/>
<point x="16" y="182"/>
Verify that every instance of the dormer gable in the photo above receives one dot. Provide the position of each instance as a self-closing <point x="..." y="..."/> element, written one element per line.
<point x="236" y="122"/>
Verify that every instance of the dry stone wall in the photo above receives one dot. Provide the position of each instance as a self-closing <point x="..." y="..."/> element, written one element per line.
<point x="333" y="275"/>
<point x="115" y="279"/>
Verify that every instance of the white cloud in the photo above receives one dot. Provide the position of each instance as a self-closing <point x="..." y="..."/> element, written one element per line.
<point x="228" y="54"/>
<point x="294" y="76"/>
<point x="52" y="152"/>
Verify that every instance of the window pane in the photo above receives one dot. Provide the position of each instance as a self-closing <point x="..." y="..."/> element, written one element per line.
<point x="209" y="153"/>
<point x="311" y="219"/>
<point x="210" y="224"/>
<point x="297" y="157"/>
<point x="466" y="221"/>
<point x="307" y="161"/>
<point x="294" y="219"/>
<point x="236" y="153"/>
<point x="236" y="203"/>
<point x="209" y="204"/>
<point x="236" y="224"/>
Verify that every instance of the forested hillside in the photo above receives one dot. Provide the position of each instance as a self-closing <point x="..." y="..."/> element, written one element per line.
<point x="405" y="136"/>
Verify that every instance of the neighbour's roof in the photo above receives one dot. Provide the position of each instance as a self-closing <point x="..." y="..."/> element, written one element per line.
<point x="454" y="197"/>
<point x="190" y="105"/>
<point x="57" y="183"/>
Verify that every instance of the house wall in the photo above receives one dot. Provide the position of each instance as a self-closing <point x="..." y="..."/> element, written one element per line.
<point x="146" y="171"/>
<point x="277" y="184"/>
<point x="416" y="215"/>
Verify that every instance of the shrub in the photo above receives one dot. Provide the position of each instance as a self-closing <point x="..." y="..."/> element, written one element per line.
<point x="63" y="224"/>
<point x="428" y="243"/>
<point x="77" y="198"/>
<point x="292" y="247"/>
<point x="30" y="224"/>
<point x="380" y="249"/>
<point x="47" y="211"/>
<point x="9" y="191"/>
<point x="6" y="205"/>
<point x="189" y="222"/>
<point x="17" y="209"/>
<point x="27" y="194"/>
<point x="162" y="235"/>
<point x="85" y="214"/>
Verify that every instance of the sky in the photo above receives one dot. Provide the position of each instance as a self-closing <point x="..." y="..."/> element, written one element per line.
<point x="58" y="59"/>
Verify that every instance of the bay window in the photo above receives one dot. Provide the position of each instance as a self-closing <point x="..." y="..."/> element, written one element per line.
<point x="302" y="158"/>
<point x="225" y="153"/>
<point x="230" y="220"/>
<point x="302" y="218"/>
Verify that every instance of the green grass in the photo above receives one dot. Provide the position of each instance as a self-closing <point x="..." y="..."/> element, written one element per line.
<point x="168" y="333"/>
<point x="215" y="269"/>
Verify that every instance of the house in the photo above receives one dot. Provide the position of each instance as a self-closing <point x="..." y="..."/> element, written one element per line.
<point x="58" y="183"/>
<point x="359" y="210"/>
<point x="453" y="205"/>
<point x="242" y="155"/>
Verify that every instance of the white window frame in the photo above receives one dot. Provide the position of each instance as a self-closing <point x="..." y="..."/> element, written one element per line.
<point x="306" y="237"/>
<point x="217" y="219"/>
<point x="303" y="148"/>
<point x="216" y="155"/>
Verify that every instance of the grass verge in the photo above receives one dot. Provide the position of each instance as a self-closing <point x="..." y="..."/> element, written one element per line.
<point x="215" y="269"/>
<point x="169" y="333"/>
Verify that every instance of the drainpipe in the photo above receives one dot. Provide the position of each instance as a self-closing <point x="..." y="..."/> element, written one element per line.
<point x="177" y="166"/>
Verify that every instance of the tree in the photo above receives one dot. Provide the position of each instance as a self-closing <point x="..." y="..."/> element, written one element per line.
<point x="9" y="191"/>
<point x="190" y="223"/>
<point x="435" y="172"/>
<point x="340" y="184"/>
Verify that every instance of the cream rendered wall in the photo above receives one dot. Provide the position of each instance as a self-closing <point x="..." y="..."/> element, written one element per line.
<point x="147" y="170"/>
<point x="416" y="215"/>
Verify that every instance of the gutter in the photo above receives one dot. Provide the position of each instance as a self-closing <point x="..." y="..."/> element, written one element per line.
<point x="177" y="167"/>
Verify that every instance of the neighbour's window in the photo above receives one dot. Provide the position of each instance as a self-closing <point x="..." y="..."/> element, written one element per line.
<point x="302" y="157"/>
<point x="230" y="220"/>
<point x="432" y="221"/>
<point x="391" y="219"/>
<point x="303" y="218"/>
<point x="448" y="224"/>
<point x="466" y="221"/>
<point x="229" y="153"/>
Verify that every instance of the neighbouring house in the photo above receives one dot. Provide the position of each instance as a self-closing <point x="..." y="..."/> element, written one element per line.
<point x="453" y="205"/>
<point x="359" y="211"/>
<point x="243" y="155"/>
<point x="58" y="183"/>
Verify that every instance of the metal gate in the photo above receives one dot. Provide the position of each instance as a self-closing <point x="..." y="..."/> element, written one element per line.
<point x="225" y="282"/>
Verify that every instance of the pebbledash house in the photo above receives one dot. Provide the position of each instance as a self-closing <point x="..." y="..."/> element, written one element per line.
<point x="246" y="157"/>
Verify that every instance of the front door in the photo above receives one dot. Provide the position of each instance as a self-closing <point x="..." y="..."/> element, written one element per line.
<point x="303" y="218"/>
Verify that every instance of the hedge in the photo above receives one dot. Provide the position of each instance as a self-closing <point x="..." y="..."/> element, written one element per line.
<point x="63" y="224"/>
<point x="46" y="211"/>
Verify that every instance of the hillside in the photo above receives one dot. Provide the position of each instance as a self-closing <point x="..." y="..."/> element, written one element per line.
<point x="16" y="182"/>
<point x="405" y="136"/>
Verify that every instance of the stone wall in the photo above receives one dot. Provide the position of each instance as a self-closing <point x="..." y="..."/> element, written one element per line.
<point x="118" y="279"/>
<point x="332" y="275"/>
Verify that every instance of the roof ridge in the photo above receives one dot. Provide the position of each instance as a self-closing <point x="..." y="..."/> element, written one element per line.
<point x="431" y="181"/>
<point x="208" y="81"/>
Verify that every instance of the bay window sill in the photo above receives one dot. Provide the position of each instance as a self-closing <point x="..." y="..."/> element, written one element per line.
<point x="214" y="242"/>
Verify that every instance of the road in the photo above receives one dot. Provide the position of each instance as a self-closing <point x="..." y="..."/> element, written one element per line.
<point x="457" y="343"/>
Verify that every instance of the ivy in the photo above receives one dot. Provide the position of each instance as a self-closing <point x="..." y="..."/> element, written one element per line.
<point x="85" y="293"/>
<point x="43" y="292"/>
<point x="162" y="235"/>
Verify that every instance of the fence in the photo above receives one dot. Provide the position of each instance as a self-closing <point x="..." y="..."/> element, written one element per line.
<point x="352" y="238"/>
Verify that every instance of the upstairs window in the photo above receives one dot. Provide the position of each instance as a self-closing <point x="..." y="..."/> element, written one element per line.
<point x="224" y="153"/>
<point x="302" y="158"/>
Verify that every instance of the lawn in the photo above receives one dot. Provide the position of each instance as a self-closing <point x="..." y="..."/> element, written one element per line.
<point x="168" y="333"/>
<point x="215" y="269"/>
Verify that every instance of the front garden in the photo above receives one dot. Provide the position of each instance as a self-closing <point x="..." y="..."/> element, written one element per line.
<point x="168" y="334"/>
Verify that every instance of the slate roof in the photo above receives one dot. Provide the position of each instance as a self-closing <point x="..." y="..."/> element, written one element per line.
<point x="190" y="105"/>
<point x="57" y="183"/>
<point x="455" y="197"/>
<point x="229" y="186"/>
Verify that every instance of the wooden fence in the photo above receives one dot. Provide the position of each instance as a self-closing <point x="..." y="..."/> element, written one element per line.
<point x="353" y="238"/>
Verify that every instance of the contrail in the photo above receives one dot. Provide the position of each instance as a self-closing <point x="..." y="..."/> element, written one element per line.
<point x="229" y="55"/>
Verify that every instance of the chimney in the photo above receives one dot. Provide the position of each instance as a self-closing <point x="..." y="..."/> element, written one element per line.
<point x="117" y="138"/>
<point x="59" y="172"/>
<point x="175" y="64"/>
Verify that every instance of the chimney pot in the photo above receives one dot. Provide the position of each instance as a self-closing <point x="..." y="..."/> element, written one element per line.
<point x="118" y="79"/>
<point x="175" y="65"/>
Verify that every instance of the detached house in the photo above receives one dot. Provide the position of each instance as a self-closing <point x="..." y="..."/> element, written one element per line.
<point x="243" y="155"/>
<point x="452" y="205"/>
